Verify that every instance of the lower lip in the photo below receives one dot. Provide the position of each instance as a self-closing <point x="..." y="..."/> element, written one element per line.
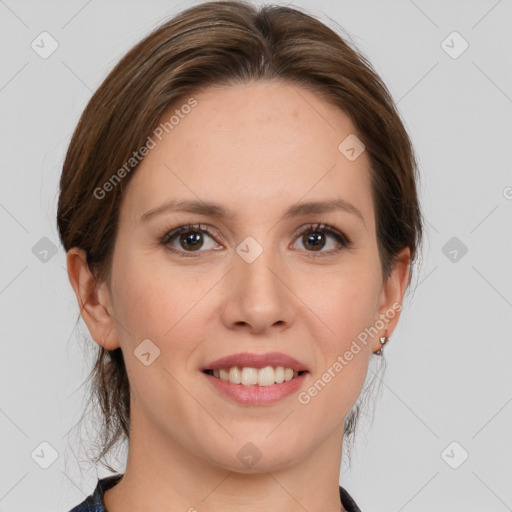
<point x="256" y="395"/>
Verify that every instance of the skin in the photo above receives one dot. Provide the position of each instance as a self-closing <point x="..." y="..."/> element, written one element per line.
<point x="256" y="149"/>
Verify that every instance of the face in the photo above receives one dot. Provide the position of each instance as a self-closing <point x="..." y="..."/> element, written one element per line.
<point x="248" y="280"/>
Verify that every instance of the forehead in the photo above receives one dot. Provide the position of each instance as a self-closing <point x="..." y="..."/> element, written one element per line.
<point x="247" y="146"/>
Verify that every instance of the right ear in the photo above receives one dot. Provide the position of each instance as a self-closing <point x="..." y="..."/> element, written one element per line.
<point x="93" y="298"/>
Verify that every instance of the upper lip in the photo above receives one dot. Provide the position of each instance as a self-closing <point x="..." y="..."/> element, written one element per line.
<point x="247" y="359"/>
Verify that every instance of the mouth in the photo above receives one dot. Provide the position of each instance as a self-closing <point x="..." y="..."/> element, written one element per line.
<point x="251" y="386"/>
<point x="250" y="376"/>
<point x="252" y="379"/>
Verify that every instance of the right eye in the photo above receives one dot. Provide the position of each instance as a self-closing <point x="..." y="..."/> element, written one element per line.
<point x="190" y="237"/>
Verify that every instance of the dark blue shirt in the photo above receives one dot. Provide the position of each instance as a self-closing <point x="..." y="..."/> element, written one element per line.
<point x="94" y="502"/>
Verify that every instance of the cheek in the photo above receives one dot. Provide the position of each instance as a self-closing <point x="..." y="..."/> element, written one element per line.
<point x="156" y="300"/>
<point x="345" y="301"/>
<point x="161" y="304"/>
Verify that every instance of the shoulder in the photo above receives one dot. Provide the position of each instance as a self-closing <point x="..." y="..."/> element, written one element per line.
<point x="348" y="502"/>
<point x="94" y="502"/>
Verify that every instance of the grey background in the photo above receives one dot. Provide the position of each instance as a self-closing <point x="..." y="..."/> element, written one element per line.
<point x="448" y="376"/>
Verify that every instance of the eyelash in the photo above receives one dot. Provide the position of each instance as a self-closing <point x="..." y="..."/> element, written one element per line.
<point x="313" y="228"/>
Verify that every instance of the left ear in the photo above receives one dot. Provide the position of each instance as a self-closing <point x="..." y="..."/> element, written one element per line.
<point x="393" y="290"/>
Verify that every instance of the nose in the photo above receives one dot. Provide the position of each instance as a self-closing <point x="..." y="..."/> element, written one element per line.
<point x="259" y="297"/>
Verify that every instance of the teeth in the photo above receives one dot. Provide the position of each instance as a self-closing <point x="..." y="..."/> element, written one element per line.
<point x="248" y="376"/>
<point x="235" y="375"/>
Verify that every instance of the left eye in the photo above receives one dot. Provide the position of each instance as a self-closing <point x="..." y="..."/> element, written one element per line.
<point x="316" y="235"/>
<point x="191" y="238"/>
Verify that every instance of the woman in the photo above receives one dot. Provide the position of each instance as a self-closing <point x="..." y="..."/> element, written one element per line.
<point x="239" y="209"/>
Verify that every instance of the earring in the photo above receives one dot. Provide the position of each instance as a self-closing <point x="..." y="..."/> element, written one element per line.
<point x="383" y="341"/>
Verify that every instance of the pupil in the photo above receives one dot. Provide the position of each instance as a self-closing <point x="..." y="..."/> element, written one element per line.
<point x="190" y="239"/>
<point x="314" y="239"/>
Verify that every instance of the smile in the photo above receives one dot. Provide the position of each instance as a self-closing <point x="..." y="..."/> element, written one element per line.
<point x="249" y="391"/>
<point x="248" y="376"/>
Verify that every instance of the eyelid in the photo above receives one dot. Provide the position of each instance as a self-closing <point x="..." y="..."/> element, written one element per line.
<point x="342" y="241"/>
<point x="173" y="232"/>
<point x="334" y="232"/>
<point x="326" y="228"/>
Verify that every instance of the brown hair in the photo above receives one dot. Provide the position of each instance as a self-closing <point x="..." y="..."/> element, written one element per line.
<point x="213" y="44"/>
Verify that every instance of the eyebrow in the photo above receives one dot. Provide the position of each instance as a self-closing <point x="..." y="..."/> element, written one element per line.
<point x="221" y="212"/>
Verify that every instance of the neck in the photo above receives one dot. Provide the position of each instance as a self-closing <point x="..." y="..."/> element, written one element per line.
<point x="162" y="475"/>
